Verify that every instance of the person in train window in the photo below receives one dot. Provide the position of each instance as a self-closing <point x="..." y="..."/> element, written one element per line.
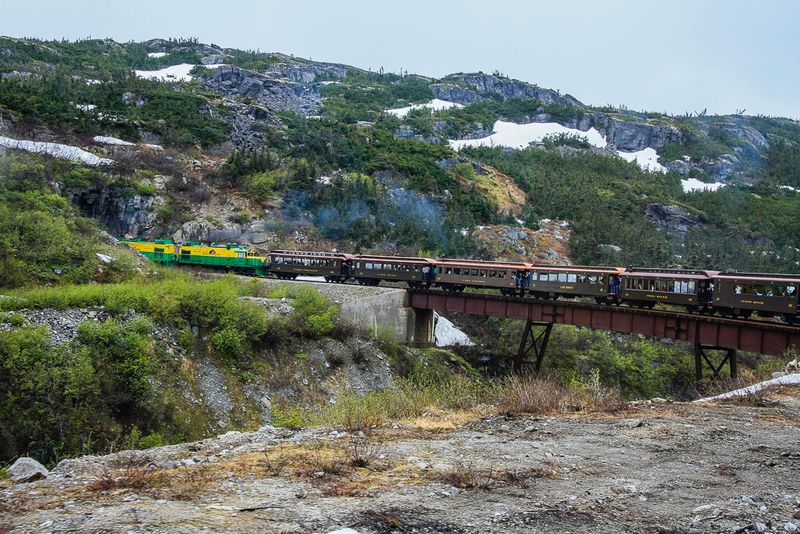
<point x="515" y="278"/>
<point x="527" y="279"/>
<point x="426" y="271"/>
<point x="790" y="291"/>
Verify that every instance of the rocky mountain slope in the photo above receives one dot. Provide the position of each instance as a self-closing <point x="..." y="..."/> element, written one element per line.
<point x="243" y="145"/>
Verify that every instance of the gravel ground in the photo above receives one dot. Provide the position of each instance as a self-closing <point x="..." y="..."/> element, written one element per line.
<point x="657" y="467"/>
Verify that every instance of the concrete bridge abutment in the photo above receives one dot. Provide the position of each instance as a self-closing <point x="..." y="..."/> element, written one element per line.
<point x="391" y="311"/>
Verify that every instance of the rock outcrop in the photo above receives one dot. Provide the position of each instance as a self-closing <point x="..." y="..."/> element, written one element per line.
<point x="278" y="93"/>
<point x="672" y="219"/>
<point x="307" y="72"/>
<point x="633" y="136"/>
<point x="247" y="122"/>
<point x="121" y="212"/>
<point x="468" y="88"/>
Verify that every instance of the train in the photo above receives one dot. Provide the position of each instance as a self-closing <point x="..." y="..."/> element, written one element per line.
<point x="729" y="294"/>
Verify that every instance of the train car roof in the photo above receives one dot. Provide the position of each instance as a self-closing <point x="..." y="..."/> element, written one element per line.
<point x="675" y="275"/>
<point x="581" y="268"/>
<point x="760" y="277"/>
<point x="398" y="259"/>
<point x="311" y="254"/>
<point x="484" y="264"/>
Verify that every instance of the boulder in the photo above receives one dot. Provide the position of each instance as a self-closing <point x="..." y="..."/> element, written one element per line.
<point x="26" y="469"/>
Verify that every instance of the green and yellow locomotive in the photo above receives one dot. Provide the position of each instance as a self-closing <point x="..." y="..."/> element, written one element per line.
<point x="231" y="255"/>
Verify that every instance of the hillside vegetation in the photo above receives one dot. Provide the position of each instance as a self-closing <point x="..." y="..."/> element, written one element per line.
<point x="283" y="152"/>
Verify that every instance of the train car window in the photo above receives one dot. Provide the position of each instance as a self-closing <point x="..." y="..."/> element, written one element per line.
<point x="552" y="277"/>
<point x="368" y="265"/>
<point x="790" y="291"/>
<point x="448" y="270"/>
<point x="582" y="278"/>
<point x="483" y="273"/>
<point x="691" y="286"/>
<point x="572" y="278"/>
<point x="562" y="277"/>
<point x="544" y="277"/>
<point x="473" y="272"/>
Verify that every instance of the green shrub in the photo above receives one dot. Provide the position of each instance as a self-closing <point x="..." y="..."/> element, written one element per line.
<point x="292" y="418"/>
<point x="262" y="185"/>
<point x="229" y="342"/>
<point x="13" y="319"/>
<point x="152" y="440"/>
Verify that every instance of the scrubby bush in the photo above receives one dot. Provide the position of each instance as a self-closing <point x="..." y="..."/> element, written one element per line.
<point x="262" y="185"/>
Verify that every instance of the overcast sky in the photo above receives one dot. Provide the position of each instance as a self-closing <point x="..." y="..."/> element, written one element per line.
<point x="668" y="55"/>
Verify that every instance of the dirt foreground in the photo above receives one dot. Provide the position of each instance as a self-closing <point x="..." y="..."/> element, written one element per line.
<point x="657" y="467"/>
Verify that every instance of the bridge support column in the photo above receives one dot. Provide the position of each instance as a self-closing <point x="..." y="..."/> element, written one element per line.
<point x="422" y="333"/>
<point x="702" y="354"/>
<point x="533" y="341"/>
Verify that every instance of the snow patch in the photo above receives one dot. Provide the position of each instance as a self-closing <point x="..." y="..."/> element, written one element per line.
<point x="693" y="184"/>
<point x="174" y="73"/>
<point x="85" y="107"/>
<point x="788" y="188"/>
<point x="447" y="335"/>
<point x="56" y="150"/>
<point x="156" y="54"/>
<point x="513" y="135"/>
<point x="435" y="105"/>
<point x="749" y="390"/>
<point x="106" y="140"/>
<point x="647" y="159"/>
